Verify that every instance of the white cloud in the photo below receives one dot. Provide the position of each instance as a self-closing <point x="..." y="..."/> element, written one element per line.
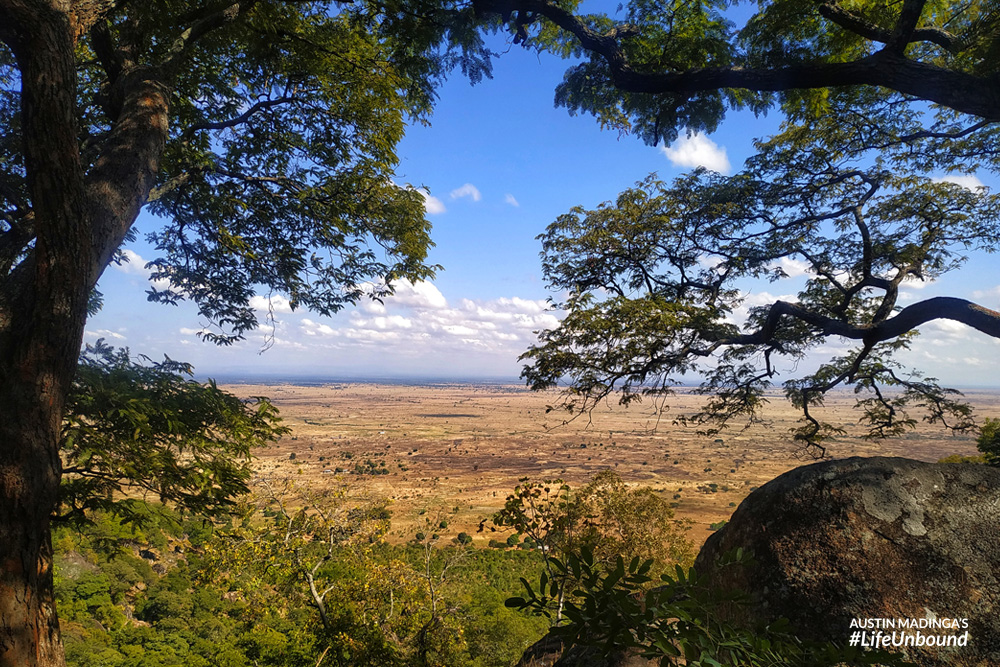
<point x="509" y="198"/>
<point x="432" y="204"/>
<point x="421" y="294"/>
<point x="103" y="333"/>
<point x="949" y="327"/>
<point x="751" y="300"/>
<point x="793" y="268"/>
<point x="697" y="150"/>
<point x="311" y="328"/>
<point x="467" y="190"/>
<point x="278" y="304"/>
<point x="967" y="181"/>
<point x="421" y="325"/>
<point x="914" y="283"/>
<point x="991" y="294"/>
<point x="136" y="266"/>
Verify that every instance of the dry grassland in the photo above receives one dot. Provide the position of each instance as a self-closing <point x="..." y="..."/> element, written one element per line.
<point x="454" y="451"/>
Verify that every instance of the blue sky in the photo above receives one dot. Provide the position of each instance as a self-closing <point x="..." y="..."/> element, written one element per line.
<point x="499" y="163"/>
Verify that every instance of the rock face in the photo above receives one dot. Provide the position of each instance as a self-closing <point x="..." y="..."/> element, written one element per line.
<point x="873" y="538"/>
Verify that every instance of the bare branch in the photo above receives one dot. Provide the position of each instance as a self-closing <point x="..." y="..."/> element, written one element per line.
<point x="942" y="307"/>
<point x="238" y="120"/>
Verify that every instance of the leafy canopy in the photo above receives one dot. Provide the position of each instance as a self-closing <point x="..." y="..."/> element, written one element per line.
<point x="136" y="433"/>
<point x="653" y="68"/>
<point x="277" y="172"/>
<point x="657" y="281"/>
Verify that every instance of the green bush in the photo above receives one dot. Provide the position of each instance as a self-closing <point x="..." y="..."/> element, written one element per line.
<point x="988" y="441"/>
<point x="677" y="622"/>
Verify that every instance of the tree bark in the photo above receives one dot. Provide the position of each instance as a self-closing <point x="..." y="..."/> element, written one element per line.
<point x="29" y="481"/>
<point x="79" y="220"/>
<point x="42" y="315"/>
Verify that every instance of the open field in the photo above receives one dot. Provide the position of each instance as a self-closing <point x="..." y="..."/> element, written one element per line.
<point x="456" y="450"/>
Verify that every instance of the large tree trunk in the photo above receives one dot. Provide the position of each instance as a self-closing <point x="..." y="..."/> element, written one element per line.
<point x="43" y="308"/>
<point x="79" y="220"/>
<point x="29" y="481"/>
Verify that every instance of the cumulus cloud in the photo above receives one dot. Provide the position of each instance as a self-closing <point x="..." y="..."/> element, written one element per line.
<point x="697" y="150"/>
<point x="422" y="294"/>
<point x="793" y="268"/>
<point x="135" y="265"/>
<point x="752" y="300"/>
<point x="949" y="328"/>
<point x="310" y="328"/>
<point x="277" y="304"/>
<point x="419" y="322"/>
<point x="468" y="190"/>
<point x="432" y="204"/>
<point x="967" y="181"/>
<point x="509" y="198"/>
<point x="914" y="283"/>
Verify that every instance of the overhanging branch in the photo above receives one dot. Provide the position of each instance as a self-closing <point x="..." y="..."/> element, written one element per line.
<point x="942" y="307"/>
<point x="963" y="92"/>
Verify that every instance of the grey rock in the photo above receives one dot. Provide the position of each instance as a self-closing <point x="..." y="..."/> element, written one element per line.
<point x="549" y="651"/>
<point x="872" y="538"/>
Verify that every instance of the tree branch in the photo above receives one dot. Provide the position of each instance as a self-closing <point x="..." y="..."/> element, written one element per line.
<point x="942" y="307"/>
<point x="902" y="33"/>
<point x="224" y="15"/>
<point x="238" y="120"/>
<point x="963" y="92"/>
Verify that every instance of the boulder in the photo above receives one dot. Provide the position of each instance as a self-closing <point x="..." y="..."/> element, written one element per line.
<point x="872" y="538"/>
<point x="549" y="651"/>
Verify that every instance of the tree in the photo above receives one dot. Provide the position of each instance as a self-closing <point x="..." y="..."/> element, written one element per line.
<point x="133" y="430"/>
<point x="315" y="549"/>
<point x="668" y="65"/>
<point x="988" y="441"/>
<point x="263" y="132"/>
<point x="544" y="513"/>
<point x="326" y="550"/>
<point x="606" y="518"/>
<point x="631" y="522"/>
<point x="656" y="280"/>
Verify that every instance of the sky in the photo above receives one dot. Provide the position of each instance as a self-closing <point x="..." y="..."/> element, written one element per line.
<point x="498" y="163"/>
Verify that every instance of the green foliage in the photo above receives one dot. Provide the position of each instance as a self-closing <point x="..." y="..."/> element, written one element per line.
<point x="653" y="68"/>
<point x="134" y="430"/>
<point x="656" y="279"/>
<point x="606" y="517"/>
<point x="958" y="458"/>
<point x="988" y="441"/>
<point x="662" y="36"/>
<point x="277" y="174"/>
<point x="676" y="621"/>
<point x="197" y="600"/>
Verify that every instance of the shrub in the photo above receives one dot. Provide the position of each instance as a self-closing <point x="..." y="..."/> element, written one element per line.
<point x="677" y="622"/>
<point x="988" y="441"/>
